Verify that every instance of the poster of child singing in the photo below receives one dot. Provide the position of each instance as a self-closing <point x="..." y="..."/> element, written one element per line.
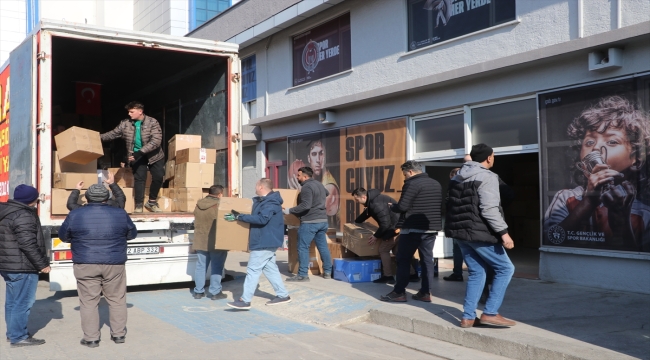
<point x="595" y="173"/>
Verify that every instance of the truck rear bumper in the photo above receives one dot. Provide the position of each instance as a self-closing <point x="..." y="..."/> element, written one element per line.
<point x="138" y="272"/>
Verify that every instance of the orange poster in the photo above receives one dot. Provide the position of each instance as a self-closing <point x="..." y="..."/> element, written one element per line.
<point x="4" y="134"/>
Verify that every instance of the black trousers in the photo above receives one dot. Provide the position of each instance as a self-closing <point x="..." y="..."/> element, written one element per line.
<point x="408" y="244"/>
<point x="140" y="168"/>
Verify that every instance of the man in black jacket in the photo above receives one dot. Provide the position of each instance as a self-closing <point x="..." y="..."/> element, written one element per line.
<point x="118" y="200"/>
<point x="22" y="256"/>
<point x="419" y="207"/>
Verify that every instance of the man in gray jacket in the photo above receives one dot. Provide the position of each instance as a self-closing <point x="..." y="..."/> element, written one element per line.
<point x="475" y="220"/>
<point x="313" y="223"/>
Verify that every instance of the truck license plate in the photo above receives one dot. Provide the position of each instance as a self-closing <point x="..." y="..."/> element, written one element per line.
<point x="143" y="250"/>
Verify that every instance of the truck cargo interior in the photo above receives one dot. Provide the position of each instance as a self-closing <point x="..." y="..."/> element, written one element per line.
<point x="522" y="214"/>
<point x="184" y="91"/>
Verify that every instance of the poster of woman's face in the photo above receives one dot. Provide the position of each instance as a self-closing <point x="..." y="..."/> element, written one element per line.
<point x="595" y="145"/>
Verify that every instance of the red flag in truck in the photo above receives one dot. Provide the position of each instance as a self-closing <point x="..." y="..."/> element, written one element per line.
<point x="89" y="100"/>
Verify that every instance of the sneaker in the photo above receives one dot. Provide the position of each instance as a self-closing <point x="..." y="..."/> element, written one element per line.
<point x="327" y="275"/>
<point x="218" y="296"/>
<point x="278" y="301"/>
<point x="414" y="278"/>
<point x="298" y="278"/>
<point x="453" y="277"/>
<point x="383" y="280"/>
<point x="118" y="339"/>
<point x="422" y="297"/>
<point x="90" y="344"/>
<point x="240" y="305"/>
<point x="393" y="297"/>
<point x="30" y="341"/>
<point x="198" y="296"/>
<point x="138" y="209"/>
<point x="153" y="207"/>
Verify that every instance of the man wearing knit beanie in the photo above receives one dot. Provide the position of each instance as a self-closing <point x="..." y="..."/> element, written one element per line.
<point x="97" y="233"/>
<point x="22" y="256"/>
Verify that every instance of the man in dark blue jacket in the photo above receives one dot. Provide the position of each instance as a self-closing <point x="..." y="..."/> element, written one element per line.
<point x="266" y="236"/>
<point x="98" y="234"/>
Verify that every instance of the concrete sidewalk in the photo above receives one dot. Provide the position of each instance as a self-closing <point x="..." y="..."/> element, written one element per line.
<point x="555" y="321"/>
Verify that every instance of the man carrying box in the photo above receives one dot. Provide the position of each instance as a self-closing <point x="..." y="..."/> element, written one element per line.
<point x="204" y="226"/>
<point x="266" y="236"/>
<point x="143" y="138"/>
<point x="118" y="200"/>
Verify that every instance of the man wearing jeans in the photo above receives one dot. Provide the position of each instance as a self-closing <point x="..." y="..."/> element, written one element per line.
<point x="419" y="207"/>
<point x="205" y="225"/>
<point x="313" y="223"/>
<point x="266" y="236"/>
<point x="475" y="220"/>
<point x="22" y="256"/>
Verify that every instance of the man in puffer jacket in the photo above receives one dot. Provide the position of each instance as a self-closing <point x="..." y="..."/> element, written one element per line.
<point x="22" y="256"/>
<point x="98" y="234"/>
<point x="475" y="220"/>
<point x="266" y="236"/>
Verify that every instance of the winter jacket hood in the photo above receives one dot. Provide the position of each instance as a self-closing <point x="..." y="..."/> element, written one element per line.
<point x="22" y="244"/>
<point x="266" y="222"/>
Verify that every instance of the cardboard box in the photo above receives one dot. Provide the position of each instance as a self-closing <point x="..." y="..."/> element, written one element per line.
<point x="189" y="175"/>
<point x="315" y="262"/>
<point x="170" y="169"/>
<point x="165" y="204"/>
<point x="338" y="251"/>
<point x="194" y="155"/>
<point x="129" y="205"/>
<point x="232" y="235"/>
<point x="79" y="145"/>
<point x="180" y="142"/>
<point x="124" y="177"/>
<point x="290" y="199"/>
<point x="59" y="166"/>
<point x="70" y="180"/>
<point x="60" y="200"/>
<point x="356" y="271"/>
<point x="168" y="193"/>
<point x="185" y="199"/>
<point x="355" y="239"/>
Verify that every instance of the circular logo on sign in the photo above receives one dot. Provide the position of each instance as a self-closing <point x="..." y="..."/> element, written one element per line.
<point x="413" y="45"/>
<point x="310" y="56"/>
<point x="556" y="234"/>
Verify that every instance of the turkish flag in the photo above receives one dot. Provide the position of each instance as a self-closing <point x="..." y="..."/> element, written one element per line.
<point x="89" y="99"/>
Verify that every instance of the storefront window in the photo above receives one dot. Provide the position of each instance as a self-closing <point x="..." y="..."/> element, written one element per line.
<point x="442" y="133"/>
<point x="509" y="124"/>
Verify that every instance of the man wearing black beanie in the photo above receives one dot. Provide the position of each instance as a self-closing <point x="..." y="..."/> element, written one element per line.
<point x="475" y="219"/>
<point x="22" y="256"/>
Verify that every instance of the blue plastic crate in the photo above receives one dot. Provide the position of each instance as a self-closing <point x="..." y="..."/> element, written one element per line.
<point x="356" y="271"/>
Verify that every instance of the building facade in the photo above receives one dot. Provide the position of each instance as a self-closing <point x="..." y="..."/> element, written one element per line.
<point x="557" y="87"/>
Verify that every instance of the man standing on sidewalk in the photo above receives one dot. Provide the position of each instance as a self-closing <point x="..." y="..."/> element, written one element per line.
<point x="266" y="236"/>
<point x="313" y="223"/>
<point x="97" y="233"/>
<point x="143" y="138"/>
<point x="475" y="220"/>
<point x="457" y="271"/>
<point x="22" y="256"/>
<point x="419" y="207"/>
<point x="205" y="226"/>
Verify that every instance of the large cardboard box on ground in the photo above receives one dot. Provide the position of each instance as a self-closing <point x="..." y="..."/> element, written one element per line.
<point x="289" y="200"/>
<point x="69" y="180"/>
<point x="185" y="199"/>
<point x="180" y="142"/>
<point x="232" y="235"/>
<point x="60" y="200"/>
<point x="194" y="155"/>
<point x="315" y="262"/>
<point x="79" y="145"/>
<point x="59" y="166"/>
<point x="189" y="175"/>
<point x="355" y="239"/>
<point x="170" y="169"/>
<point x="357" y="270"/>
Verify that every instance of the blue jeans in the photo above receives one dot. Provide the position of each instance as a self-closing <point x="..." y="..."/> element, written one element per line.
<point x="458" y="260"/>
<point x="20" y="296"/>
<point x="262" y="261"/>
<point x="204" y="258"/>
<point x="480" y="257"/>
<point x="317" y="232"/>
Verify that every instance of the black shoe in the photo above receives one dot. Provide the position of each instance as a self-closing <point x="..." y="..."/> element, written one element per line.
<point x="30" y="341"/>
<point x="90" y="344"/>
<point x="118" y="339"/>
<point x="198" y="295"/>
<point x="279" y="300"/>
<point x="383" y="280"/>
<point x="414" y="278"/>
<point x="227" y="278"/>
<point x="453" y="277"/>
<point x="435" y="274"/>
<point x="327" y="276"/>
<point x="298" y="278"/>
<point x="218" y="296"/>
<point x="393" y="297"/>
